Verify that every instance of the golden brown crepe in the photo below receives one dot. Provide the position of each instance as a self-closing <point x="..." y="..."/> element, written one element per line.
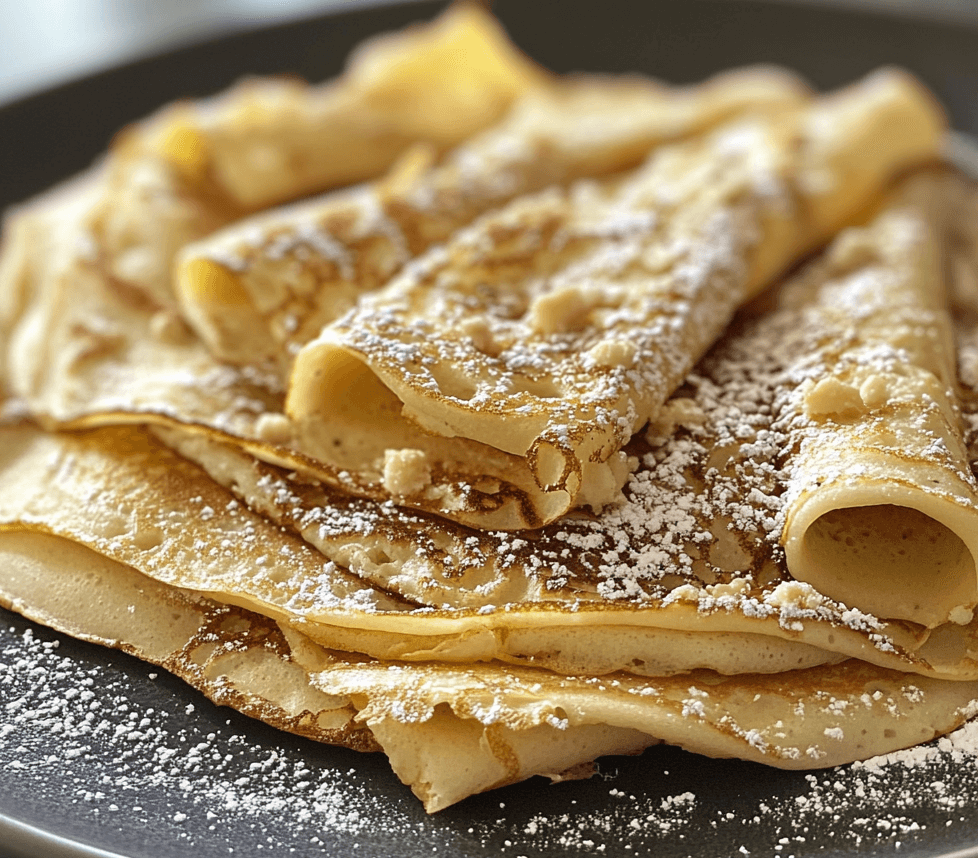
<point x="449" y="730"/>
<point x="345" y="564"/>
<point x="525" y="353"/>
<point x="880" y="487"/>
<point x="192" y="168"/>
<point x="266" y="285"/>
<point x="236" y="657"/>
<point x="85" y="349"/>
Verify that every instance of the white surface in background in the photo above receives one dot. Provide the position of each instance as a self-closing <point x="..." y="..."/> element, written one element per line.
<point x="46" y="42"/>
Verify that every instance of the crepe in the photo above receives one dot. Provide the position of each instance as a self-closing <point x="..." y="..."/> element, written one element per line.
<point x="525" y="353"/>
<point x="449" y="731"/>
<point x="688" y="571"/>
<point x="86" y="346"/>
<point x="880" y="486"/>
<point x="263" y="287"/>
<point x="499" y="581"/>
<point x="165" y="363"/>
<point x="71" y="485"/>
<point x="196" y="166"/>
<point x="237" y="658"/>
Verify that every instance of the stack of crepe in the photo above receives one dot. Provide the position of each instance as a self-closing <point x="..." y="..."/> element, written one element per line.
<point x="602" y="414"/>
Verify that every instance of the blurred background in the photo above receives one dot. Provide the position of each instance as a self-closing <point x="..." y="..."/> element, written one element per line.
<point x="46" y="42"/>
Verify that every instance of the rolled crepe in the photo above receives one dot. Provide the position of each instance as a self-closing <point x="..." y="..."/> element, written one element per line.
<point x="86" y="296"/>
<point x="524" y="354"/>
<point x="266" y="285"/>
<point x="881" y="501"/>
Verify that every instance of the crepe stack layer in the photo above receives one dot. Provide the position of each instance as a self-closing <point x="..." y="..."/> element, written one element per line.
<point x="450" y="730"/>
<point x="519" y="454"/>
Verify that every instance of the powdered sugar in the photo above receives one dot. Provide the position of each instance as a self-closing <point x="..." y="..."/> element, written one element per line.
<point x="93" y="743"/>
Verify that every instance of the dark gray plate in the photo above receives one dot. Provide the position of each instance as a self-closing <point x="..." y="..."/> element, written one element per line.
<point x="101" y="754"/>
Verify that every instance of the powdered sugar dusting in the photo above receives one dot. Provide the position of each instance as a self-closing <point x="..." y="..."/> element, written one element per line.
<point x="141" y="763"/>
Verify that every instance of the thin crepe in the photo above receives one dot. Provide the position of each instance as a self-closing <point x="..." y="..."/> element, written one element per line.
<point x="881" y="498"/>
<point x="506" y="724"/>
<point x="85" y="285"/>
<point x="266" y="285"/>
<point x="70" y="485"/>
<point x="684" y="573"/>
<point x="523" y="354"/>
<point x="405" y="553"/>
<point x="86" y="346"/>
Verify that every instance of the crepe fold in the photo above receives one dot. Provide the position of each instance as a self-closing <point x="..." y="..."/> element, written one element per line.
<point x="236" y="657"/>
<point x="523" y="354"/>
<point x="134" y="501"/>
<point x="503" y="723"/>
<point x="263" y="287"/>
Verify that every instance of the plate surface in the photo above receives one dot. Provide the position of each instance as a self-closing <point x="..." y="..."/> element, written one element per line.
<point x="101" y="754"/>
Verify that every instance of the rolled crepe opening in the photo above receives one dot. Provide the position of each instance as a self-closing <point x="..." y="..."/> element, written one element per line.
<point x="894" y="561"/>
<point x="346" y="417"/>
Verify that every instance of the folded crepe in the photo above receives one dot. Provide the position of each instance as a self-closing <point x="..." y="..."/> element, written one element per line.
<point x="686" y="574"/>
<point x="194" y="167"/>
<point x="86" y="347"/>
<point x="236" y="657"/>
<point x="354" y="579"/>
<point x="449" y="731"/>
<point x="266" y="285"/>
<point x="143" y="371"/>
<point x="523" y="355"/>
